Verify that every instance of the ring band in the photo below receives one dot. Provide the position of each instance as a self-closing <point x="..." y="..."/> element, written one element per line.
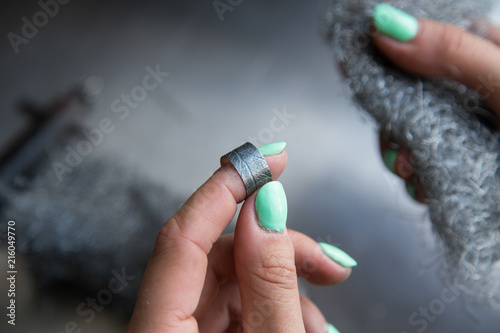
<point x="250" y="165"/>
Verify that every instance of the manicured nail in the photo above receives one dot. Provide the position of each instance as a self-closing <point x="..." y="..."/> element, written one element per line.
<point x="411" y="187"/>
<point x="271" y="207"/>
<point x="338" y="255"/>
<point x="272" y="148"/>
<point x="331" y="329"/>
<point x="395" y="23"/>
<point x="390" y="156"/>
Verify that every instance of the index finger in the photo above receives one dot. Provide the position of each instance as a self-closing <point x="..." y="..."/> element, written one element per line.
<point x="175" y="274"/>
<point x="444" y="50"/>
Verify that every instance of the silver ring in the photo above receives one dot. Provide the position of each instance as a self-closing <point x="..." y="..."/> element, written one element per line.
<point x="251" y="166"/>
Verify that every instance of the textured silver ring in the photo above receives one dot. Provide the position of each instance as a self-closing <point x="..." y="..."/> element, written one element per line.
<point x="251" y="166"/>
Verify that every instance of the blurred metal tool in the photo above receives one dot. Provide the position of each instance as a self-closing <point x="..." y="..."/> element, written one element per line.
<point x="46" y="126"/>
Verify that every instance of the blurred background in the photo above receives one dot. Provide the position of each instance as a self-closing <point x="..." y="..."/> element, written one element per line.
<point x="171" y="86"/>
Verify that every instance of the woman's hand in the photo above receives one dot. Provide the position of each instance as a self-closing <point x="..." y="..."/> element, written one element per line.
<point x="442" y="51"/>
<point x="198" y="280"/>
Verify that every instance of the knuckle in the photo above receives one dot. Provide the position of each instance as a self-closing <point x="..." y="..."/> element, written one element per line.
<point x="452" y="38"/>
<point x="454" y="44"/>
<point x="175" y="316"/>
<point x="166" y="237"/>
<point x="173" y="320"/>
<point x="277" y="270"/>
<point x="171" y="238"/>
<point x="167" y="232"/>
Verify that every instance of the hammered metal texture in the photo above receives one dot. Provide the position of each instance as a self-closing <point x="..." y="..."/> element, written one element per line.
<point x="251" y="166"/>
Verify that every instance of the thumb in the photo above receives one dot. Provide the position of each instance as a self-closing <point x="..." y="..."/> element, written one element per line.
<point x="433" y="49"/>
<point x="265" y="264"/>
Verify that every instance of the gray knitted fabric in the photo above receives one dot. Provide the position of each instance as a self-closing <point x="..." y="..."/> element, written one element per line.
<point x="454" y="143"/>
<point x="102" y="217"/>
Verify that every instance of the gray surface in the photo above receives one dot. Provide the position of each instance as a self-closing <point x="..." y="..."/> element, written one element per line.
<point x="226" y="78"/>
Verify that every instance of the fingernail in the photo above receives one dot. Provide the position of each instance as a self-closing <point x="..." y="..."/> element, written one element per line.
<point x="331" y="329"/>
<point x="272" y="148"/>
<point x="271" y="207"/>
<point x="395" y="23"/>
<point x="338" y="255"/>
<point x="390" y="156"/>
<point x="411" y="187"/>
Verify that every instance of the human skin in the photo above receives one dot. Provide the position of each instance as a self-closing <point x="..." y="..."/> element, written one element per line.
<point x="442" y="50"/>
<point x="199" y="281"/>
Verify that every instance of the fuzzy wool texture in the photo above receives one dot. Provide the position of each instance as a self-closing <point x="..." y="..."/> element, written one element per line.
<point x="81" y="229"/>
<point x="452" y="139"/>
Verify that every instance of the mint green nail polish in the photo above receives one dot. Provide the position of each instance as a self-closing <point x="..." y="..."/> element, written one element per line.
<point x="411" y="187"/>
<point x="395" y="23"/>
<point x="338" y="255"/>
<point x="272" y="148"/>
<point x="331" y="329"/>
<point x="271" y="206"/>
<point x="390" y="156"/>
